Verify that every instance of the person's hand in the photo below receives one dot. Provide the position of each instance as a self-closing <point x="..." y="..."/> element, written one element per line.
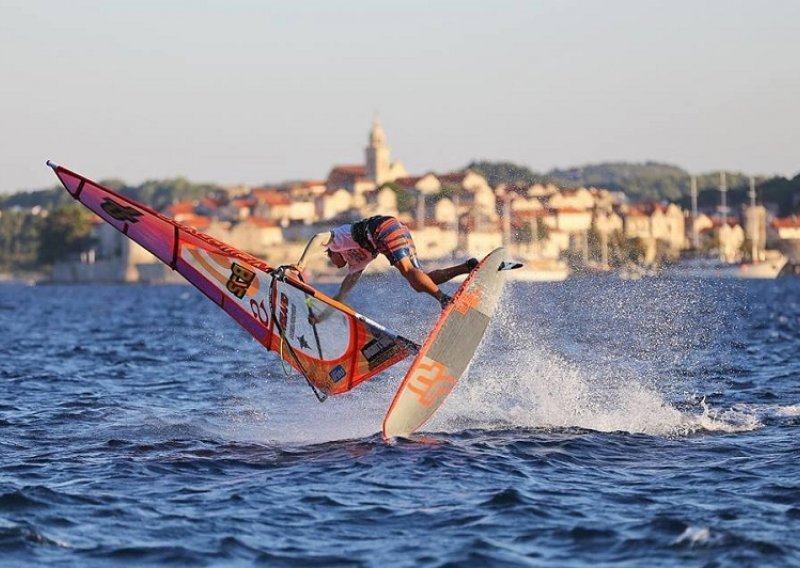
<point x="314" y="319"/>
<point x="294" y="271"/>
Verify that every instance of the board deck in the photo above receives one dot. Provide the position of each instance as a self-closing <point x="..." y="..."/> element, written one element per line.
<point x="448" y="349"/>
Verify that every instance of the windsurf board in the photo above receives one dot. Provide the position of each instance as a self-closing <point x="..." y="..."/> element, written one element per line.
<point x="449" y="347"/>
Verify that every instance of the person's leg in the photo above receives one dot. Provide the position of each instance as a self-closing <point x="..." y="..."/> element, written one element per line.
<point x="441" y="275"/>
<point x="417" y="278"/>
<point x="394" y="241"/>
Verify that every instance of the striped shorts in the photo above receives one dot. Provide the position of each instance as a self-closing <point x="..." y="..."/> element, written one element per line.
<point x="393" y="240"/>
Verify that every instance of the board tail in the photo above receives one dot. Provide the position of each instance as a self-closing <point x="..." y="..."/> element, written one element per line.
<point x="273" y="305"/>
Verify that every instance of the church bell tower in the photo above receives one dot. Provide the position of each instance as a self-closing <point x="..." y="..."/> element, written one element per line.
<point x="378" y="162"/>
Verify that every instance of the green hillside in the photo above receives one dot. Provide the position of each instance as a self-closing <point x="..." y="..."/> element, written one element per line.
<point x="651" y="181"/>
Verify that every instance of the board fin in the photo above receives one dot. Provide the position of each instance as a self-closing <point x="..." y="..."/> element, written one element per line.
<point x="510" y="265"/>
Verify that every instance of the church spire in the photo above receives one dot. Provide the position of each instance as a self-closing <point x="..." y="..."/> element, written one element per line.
<point x="377" y="137"/>
<point x="377" y="153"/>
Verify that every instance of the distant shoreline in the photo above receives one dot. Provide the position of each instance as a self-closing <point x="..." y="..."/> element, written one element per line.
<point x="21" y="278"/>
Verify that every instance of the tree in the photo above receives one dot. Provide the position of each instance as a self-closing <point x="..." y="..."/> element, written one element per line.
<point x="66" y="232"/>
<point x="406" y="198"/>
<point x="782" y="192"/>
<point x="19" y="235"/>
<point x="44" y="198"/>
<point x="161" y="193"/>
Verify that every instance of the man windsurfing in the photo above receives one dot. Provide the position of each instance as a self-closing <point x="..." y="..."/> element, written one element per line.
<point x="356" y="245"/>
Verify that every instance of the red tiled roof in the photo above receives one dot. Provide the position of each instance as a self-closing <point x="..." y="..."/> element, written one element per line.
<point x="528" y="214"/>
<point x="792" y="222"/>
<point x="269" y="196"/>
<point x="197" y="221"/>
<point x="261" y="222"/>
<point x="409" y="181"/>
<point x="452" y="177"/>
<point x="356" y="169"/>
<point x="181" y="208"/>
<point x="210" y="202"/>
<point x="346" y="175"/>
<point x="244" y="202"/>
<point x="572" y="210"/>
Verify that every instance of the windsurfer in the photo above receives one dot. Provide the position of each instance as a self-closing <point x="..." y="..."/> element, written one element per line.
<point x="356" y="245"/>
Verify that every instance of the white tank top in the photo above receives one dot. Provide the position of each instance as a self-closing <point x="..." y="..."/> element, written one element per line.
<point x="342" y="242"/>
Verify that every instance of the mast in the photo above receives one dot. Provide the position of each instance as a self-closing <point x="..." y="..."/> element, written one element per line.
<point x="755" y="232"/>
<point x="723" y="212"/>
<point x="723" y="197"/>
<point x="695" y="235"/>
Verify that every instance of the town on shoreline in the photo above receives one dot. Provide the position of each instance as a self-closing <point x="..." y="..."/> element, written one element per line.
<point x="556" y="232"/>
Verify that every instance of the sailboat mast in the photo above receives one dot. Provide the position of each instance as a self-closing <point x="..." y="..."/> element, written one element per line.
<point x="755" y="225"/>
<point x="695" y="235"/>
<point x="723" y="211"/>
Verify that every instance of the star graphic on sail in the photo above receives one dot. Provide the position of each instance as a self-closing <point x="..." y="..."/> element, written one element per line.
<point x="303" y="343"/>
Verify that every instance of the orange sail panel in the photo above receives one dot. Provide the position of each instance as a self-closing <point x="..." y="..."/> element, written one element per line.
<point x="335" y="354"/>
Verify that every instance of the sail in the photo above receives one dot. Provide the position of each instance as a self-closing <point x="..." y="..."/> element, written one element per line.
<point x="334" y="354"/>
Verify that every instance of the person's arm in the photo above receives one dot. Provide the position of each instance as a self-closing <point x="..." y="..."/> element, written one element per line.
<point x="318" y="240"/>
<point x="347" y="284"/>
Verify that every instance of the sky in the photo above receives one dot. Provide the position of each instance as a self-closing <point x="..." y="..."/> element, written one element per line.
<point x="240" y="91"/>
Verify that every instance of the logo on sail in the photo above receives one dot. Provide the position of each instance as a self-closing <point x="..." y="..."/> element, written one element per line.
<point x="239" y="280"/>
<point x="379" y="350"/>
<point x="120" y="212"/>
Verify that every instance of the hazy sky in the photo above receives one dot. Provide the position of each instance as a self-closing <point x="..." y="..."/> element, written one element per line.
<point x="255" y="91"/>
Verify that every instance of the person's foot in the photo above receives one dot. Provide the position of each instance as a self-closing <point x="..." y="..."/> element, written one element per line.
<point x="472" y="263"/>
<point x="445" y="300"/>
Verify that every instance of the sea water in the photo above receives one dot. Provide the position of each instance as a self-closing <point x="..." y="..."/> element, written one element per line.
<point x="602" y="422"/>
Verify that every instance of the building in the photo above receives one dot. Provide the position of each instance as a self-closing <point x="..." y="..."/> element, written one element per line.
<point x="379" y="166"/>
<point x="657" y="227"/>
